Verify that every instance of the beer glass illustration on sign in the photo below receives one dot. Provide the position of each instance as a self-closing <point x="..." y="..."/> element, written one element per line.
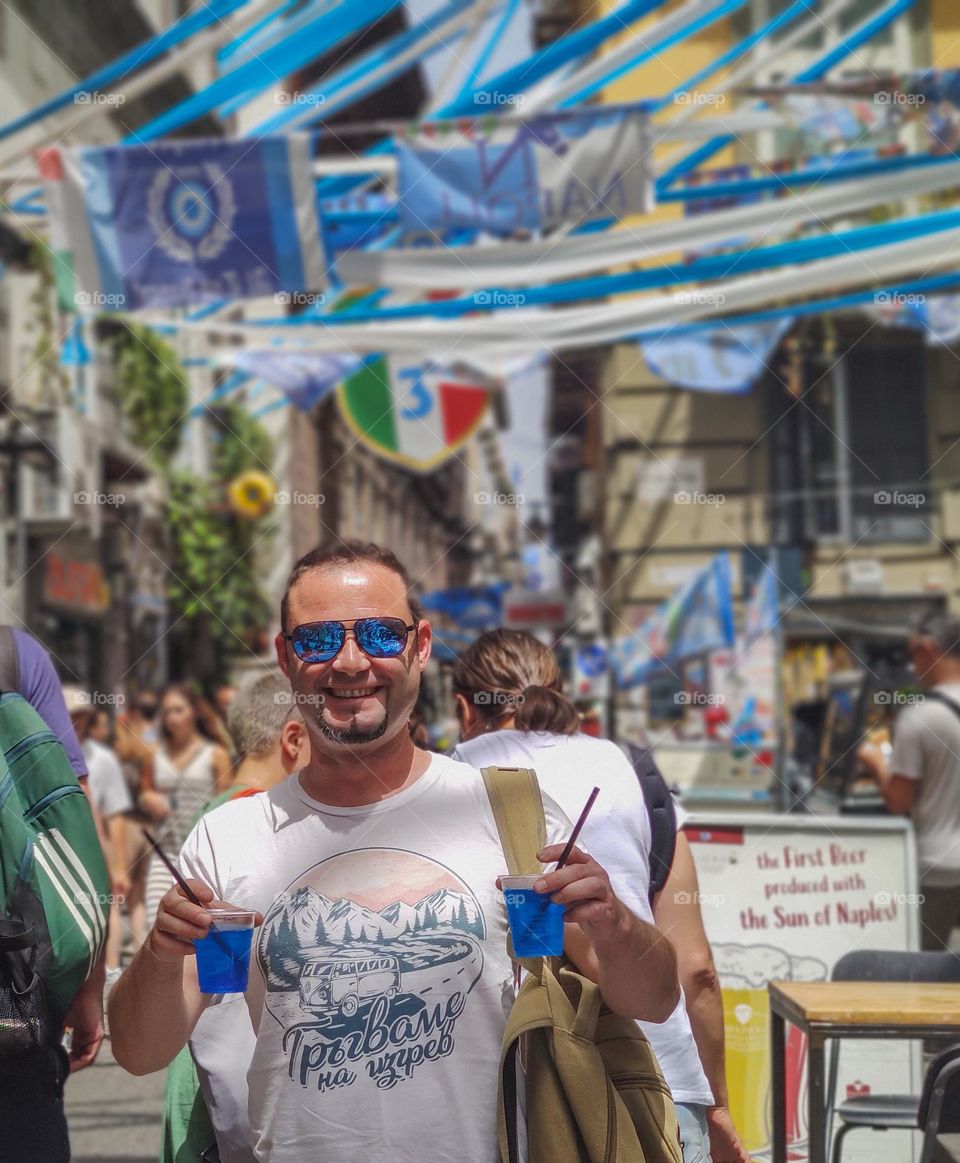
<point x="744" y="972"/>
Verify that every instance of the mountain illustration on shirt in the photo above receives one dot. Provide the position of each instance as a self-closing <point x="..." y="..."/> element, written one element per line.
<point x="368" y="959"/>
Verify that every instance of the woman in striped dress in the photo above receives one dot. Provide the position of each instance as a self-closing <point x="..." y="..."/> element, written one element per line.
<point x="190" y="766"/>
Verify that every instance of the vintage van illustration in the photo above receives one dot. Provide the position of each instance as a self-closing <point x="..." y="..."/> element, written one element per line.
<point x="329" y="985"/>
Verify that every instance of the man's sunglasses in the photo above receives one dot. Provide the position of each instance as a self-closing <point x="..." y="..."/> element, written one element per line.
<point x="376" y="637"/>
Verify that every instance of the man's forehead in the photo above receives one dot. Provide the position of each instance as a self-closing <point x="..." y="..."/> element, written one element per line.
<point x="348" y="591"/>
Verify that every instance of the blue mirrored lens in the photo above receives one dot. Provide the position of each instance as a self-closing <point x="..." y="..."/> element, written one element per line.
<point x="381" y="637"/>
<point x="319" y="642"/>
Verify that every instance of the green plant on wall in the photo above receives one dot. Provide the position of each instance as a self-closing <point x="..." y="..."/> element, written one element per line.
<point x="213" y="576"/>
<point x="152" y="390"/>
<point x="46" y="353"/>
<point x="240" y="442"/>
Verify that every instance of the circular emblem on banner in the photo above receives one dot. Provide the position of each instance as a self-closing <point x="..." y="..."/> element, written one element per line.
<point x="192" y="217"/>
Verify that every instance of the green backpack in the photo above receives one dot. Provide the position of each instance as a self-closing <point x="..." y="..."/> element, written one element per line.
<point x="53" y="881"/>
<point x="594" y="1089"/>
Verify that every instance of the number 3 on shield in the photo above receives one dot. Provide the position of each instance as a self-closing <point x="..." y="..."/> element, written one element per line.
<point x="420" y="399"/>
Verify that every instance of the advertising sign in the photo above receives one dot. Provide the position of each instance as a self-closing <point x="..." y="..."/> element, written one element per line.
<point x="784" y="899"/>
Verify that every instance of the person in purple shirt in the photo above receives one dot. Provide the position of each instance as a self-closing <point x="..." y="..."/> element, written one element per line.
<point x="37" y="681"/>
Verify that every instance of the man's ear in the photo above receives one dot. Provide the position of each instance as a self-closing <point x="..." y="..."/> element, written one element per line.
<point x="468" y="715"/>
<point x="424" y="634"/>
<point x="294" y="745"/>
<point x="280" y="643"/>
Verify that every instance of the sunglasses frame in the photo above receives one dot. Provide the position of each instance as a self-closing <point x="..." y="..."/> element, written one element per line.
<point x="350" y="629"/>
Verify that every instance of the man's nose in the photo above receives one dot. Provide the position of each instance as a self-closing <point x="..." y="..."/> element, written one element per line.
<point x="351" y="658"/>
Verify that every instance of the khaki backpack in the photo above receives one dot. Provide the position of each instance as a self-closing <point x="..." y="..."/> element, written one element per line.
<point x="594" y="1089"/>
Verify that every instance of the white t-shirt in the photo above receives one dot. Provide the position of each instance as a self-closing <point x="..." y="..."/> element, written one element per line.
<point x="926" y="748"/>
<point x="382" y="983"/>
<point x="617" y="834"/>
<point x="108" y="788"/>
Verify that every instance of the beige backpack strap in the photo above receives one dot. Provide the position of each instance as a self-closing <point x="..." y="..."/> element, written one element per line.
<point x="517" y="806"/>
<point x="514" y="795"/>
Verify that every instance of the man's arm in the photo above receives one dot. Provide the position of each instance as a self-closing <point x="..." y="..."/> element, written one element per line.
<point x="899" y="791"/>
<point x="677" y="913"/>
<point x="85" y="1018"/>
<point x="632" y="962"/>
<point x="155" y="1005"/>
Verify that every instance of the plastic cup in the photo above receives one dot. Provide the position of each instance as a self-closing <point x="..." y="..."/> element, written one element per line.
<point x="223" y="956"/>
<point x="536" y="923"/>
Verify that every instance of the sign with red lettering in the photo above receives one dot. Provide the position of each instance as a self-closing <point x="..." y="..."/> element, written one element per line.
<point x="527" y="610"/>
<point x="785" y="899"/>
<point x="74" y="585"/>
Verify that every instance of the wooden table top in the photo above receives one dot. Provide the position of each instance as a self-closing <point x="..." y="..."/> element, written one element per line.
<point x="866" y="1003"/>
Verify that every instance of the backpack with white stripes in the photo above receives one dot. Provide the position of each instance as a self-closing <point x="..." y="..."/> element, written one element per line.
<point x="53" y="880"/>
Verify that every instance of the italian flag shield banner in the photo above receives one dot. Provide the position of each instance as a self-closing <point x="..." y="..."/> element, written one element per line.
<point x="416" y="415"/>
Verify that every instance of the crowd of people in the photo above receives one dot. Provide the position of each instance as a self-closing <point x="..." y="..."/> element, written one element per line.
<point x="309" y="796"/>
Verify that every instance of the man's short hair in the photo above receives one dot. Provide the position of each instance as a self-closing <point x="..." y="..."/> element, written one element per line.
<point x="347" y="553"/>
<point x="943" y="628"/>
<point x="258" y="712"/>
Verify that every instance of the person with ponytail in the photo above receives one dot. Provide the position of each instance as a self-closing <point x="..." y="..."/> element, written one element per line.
<point x="513" y="713"/>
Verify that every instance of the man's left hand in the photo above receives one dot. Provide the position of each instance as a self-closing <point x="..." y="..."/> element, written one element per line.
<point x="584" y="887"/>
<point x="725" y="1145"/>
<point x="85" y="1017"/>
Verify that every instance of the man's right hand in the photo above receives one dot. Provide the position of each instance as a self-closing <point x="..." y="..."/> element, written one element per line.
<point x="180" y="922"/>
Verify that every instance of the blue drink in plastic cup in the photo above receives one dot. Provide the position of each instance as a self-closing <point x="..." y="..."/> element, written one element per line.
<point x="536" y="923"/>
<point x="223" y="956"/>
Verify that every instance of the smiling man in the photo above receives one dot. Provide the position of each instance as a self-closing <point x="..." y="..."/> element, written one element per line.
<point x="381" y="981"/>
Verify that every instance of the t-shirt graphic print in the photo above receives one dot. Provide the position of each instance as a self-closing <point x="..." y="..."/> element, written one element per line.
<point x="369" y="959"/>
<point x="381" y="983"/>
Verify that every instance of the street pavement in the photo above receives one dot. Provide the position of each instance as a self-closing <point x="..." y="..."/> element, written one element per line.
<point x="113" y="1117"/>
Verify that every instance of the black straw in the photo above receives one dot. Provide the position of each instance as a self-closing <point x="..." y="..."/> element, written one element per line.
<point x="174" y="871"/>
<point x="187" y="890"/>
<point x="565" y="855"/>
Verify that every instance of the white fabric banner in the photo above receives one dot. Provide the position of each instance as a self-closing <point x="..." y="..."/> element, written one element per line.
<point x="520" y="330"/>
<point x="517" y="263"/>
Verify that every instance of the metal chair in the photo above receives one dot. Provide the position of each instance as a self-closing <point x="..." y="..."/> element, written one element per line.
<point x="936" y="1112"/>
<point x="883" y="1112"/>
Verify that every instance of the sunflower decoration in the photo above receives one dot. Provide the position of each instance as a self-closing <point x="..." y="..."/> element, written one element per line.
<point x="251" y="494"/>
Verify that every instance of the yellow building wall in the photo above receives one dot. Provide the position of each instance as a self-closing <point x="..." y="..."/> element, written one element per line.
<point x="663" y="73"/>
<point x="945" y="33"/>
